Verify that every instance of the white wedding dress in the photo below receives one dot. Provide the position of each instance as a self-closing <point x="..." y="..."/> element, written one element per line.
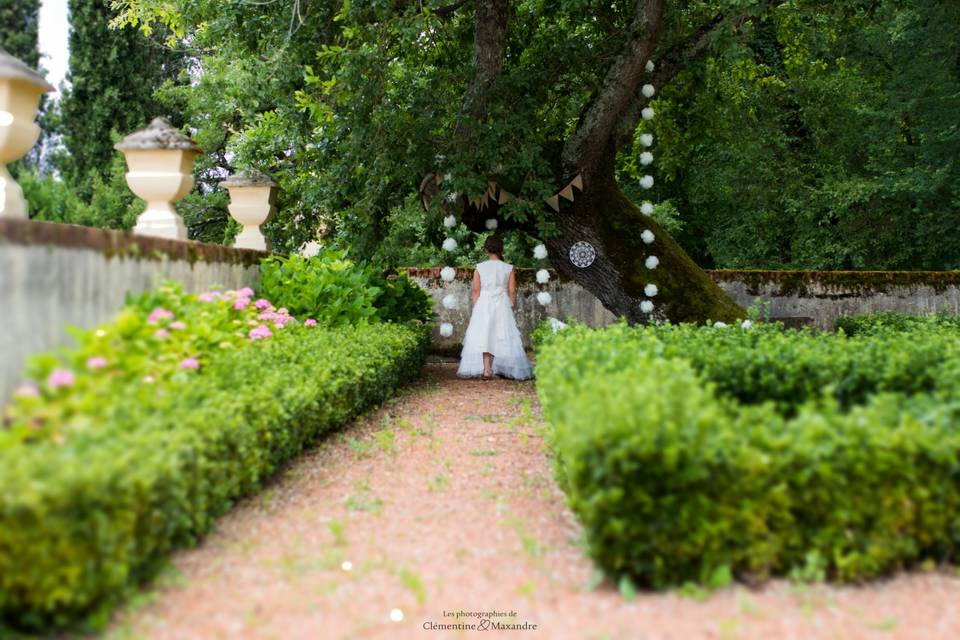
<point x="493" y="329"/>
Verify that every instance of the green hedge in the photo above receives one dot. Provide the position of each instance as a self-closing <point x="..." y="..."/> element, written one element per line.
<point x="675" y="479"/>
<point x="82" y="520"/>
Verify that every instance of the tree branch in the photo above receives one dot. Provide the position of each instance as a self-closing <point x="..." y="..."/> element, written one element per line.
<point x="589" y="143"/>
<point x="489" y="49"/>
<point x="670" y="64"/>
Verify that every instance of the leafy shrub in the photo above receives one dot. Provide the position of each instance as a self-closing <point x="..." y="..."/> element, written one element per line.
<point x="87" y="514"/>
<point x="892" y="321"/>
<point x="675" y="478"/>
<point x="336" y="291"/>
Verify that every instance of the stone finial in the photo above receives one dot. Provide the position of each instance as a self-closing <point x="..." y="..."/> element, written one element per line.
<point x="159" y="134"/>
<point x="20" y="91"/>
<point x="13" y="69"/>
<point x="252" y="203"/>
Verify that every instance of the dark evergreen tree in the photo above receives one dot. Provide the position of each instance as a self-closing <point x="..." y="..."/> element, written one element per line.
<point x="18" y="30"/>
<point x="113" y="75"/>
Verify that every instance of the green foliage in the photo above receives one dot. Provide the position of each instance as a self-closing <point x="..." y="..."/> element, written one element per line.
<point x="109" y="203"/>
<point x="19" y="21"/>
<point x="691" y="453"/>
<point x="87" y="516"/>
<point x="887" y="321"/>
<point x="113" y="74"/>
<point x="335" y="291"/>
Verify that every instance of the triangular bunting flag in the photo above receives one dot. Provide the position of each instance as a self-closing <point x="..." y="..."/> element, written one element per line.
<point x="554" y="203"/>
<point x="504" y="196"/>
<point x="567" y="192"/>
<point x="438" y="179"/>
<point x="578" y="182"/>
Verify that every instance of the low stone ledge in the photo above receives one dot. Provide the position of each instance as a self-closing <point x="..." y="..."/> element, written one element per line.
<point x="121" y="243"/>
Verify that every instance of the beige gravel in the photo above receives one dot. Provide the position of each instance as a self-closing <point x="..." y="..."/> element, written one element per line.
<point x="443" y="500"/>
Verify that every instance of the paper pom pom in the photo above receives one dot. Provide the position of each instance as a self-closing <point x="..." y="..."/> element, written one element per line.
<point x="646" y="139"/>
<point x="648" y="113"/>
<point x="491" y="223"/>
<point x="646" y="306"/>
<point x="746" y="324"/>
<point x="646" y="208"/>
<point x="449" y="244"/>
<point x="544" y="298"/>
<point x="543" y="276"/>
<point x="647" y="236"/>
<point x="652" y="262"/>
<point x="648" y="90"/>
<point x="650" y="290"/>
<point x="646" y="158"/>
<point x="646" y="182"/>
<point x="650" y="66"/>
<point x="447" y="274"/>
<point x="450" y="221"/>
<point x="539" y="252"/>
<point x="446" y="330"/>
<point x="557" y="325"/>
<point x="449" y="301"/>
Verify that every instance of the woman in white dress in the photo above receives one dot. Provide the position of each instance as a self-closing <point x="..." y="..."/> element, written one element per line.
<point x="492" y="343"/>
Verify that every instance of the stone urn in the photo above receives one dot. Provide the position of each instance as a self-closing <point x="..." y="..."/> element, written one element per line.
<point x="20" y="91"/>
<point x="253" y="197"/>
<point x="160" y="170"/>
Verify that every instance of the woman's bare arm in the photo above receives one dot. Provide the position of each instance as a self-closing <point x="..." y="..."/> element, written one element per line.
<point x="475" y="292"/>
<point x="512" y="288"/>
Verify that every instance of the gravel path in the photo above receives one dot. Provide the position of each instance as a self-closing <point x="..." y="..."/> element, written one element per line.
<point x="443" y="501"/>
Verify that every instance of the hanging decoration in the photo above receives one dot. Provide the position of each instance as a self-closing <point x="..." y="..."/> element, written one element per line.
<point x="543" y="276"/>
<point x="582" y="254"/>
<point x="450" y="245"/>
<point x="646" y="159"/>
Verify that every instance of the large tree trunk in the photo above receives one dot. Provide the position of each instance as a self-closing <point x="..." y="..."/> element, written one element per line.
<point x="604" y="217"/>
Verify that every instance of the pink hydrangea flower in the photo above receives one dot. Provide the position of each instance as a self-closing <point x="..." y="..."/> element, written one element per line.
<point x="26" y="390"/>
<point x="161" y="333"/>
<point x="260" y="332"/>
<point x="263" y="303"/>
<point x="309" y="322"/>
<point x="266" y="315"/>
<point x="241" y="303"/>
<point x="179" y="326"/>
<point x="190" y="363"/>
<point x="61" y="378"/>
<point x="280" y="321"/>
<point x="246" y="292"/>
<point x="283" y="311"/>
<point x="159" y="314"/>
<point x="209" y="296"/>
<point x="96" y="362"/>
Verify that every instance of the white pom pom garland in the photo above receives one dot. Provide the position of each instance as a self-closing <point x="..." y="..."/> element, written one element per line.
<point x="540" y="252"/>
<point x="650" y="290"/>
<point x="544" y="298"/>
<point x="446" y="329"/>
<point x="449" y="244"/>
<point x="646" y="306"/>
<point x="648" y="113"/>
<point x="646" y="158"/>
<point x="646" y="208"/>
<point x="646" y="139"/>
<point x="491" y="223"/>
<point x="450" y="221"/>
<point x="449" y="301"/>
<point x="652" y="262"/>
<point x="646" y="182"/>
<point x="648" y="90"/>
<point x="543" y="276"/>
<point x="448" y="274"/>
<point x="647" y="236"/>
<point x="650" y="66"/>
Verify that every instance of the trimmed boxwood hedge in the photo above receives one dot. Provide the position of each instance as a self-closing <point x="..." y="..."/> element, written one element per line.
<point x="684" y="458"/>
<point x="83" y="520"/>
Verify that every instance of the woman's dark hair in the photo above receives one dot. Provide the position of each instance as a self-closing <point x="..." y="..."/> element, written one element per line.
<point x="494" y="245"/>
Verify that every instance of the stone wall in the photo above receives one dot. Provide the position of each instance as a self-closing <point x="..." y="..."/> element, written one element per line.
<point x="56" y="275"/>
<point x="798" y="298"/>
